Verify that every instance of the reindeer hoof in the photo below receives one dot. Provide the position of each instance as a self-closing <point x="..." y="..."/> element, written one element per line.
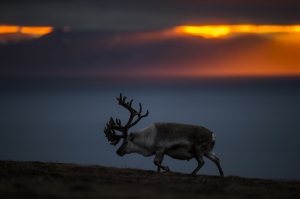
<point x="167" y="169"/>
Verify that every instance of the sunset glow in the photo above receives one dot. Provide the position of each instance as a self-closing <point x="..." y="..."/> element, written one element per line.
<point x="179" y="52"/>
<point x="220" y="31"/>
<point x="33" y="31"/>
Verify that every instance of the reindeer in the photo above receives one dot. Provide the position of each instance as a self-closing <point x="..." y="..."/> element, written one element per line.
<point x="179" y="141"/>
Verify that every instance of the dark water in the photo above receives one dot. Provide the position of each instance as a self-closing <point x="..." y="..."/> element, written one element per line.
<point x="257" y="122"/>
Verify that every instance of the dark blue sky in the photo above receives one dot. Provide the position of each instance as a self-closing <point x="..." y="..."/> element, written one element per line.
<point x="256" y="122"/>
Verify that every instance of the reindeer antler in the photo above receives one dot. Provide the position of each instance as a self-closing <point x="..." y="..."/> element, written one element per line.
<point x="133" y="112"/>
<point x="110" y="133"/>
<point x="116" y="125"/>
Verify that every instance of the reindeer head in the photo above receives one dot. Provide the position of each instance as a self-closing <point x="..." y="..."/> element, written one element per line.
<point x="112" y="125"/>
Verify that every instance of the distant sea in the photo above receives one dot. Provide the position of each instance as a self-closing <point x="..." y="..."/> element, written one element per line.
<point x="256" y="120"/>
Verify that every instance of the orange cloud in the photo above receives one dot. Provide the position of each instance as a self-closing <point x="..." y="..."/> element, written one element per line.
<point x="220" y="31"/>
<point x="9" y="29"/>
<point x="36" y="31"/>
<point x="204" y="31"/>
<point x="17" y="33"/>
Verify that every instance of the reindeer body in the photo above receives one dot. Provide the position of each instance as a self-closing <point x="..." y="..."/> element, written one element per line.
<point x="179" y="141"/>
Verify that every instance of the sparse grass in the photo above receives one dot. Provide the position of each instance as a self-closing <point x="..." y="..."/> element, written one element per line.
<point x="57" y="180"/>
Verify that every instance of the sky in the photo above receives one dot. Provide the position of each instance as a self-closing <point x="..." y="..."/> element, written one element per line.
<point x="232" y="66"/>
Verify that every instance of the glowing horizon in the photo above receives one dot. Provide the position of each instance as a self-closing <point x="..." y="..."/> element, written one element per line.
<point x="222" y="31"/>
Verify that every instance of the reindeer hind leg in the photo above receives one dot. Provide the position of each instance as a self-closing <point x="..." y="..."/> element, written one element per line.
<point x="210" y="155"/>
<point x="158" y="168"/>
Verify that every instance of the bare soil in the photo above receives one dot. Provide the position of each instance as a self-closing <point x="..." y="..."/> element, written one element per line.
<point x="57" y="180"/>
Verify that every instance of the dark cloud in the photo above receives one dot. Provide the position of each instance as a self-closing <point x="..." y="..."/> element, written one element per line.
<point x="100" y="54"/>
<point x="150" y="14"/>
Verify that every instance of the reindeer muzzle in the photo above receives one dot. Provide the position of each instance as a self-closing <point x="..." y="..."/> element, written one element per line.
<point x="120" y="153"/>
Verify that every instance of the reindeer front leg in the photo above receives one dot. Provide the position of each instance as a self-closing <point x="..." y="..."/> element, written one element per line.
<point x="200" y="161"/>
<point x="158" y="160"/>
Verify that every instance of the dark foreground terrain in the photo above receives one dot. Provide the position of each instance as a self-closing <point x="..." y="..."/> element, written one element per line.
<point x="56" y="180"/>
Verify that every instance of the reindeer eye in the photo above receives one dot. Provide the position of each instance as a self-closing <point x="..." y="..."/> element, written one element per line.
<point x="131" y="137"/>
